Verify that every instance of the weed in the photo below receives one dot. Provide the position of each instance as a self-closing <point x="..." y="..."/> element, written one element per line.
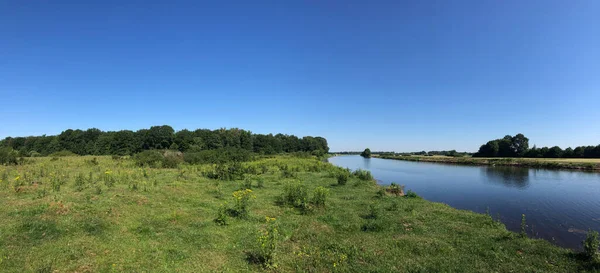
<point x="342" y="178"/>
<point x="523" y="233"/>
<point x="591" y="244"/>
<point x="363" y="175"/>
<point x="266" y="245"/>
<point x="242" y="200"/>
<point x="319" y="196"/>
<point x="222" y="217"/>
<point x="412" y="194"/>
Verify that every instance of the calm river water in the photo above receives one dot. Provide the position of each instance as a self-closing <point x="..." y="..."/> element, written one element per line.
<point x="559" y="206"/>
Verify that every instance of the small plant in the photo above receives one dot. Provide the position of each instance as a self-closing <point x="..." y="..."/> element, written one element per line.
<point x="396" y="189"/>
<point x="373" y="212"/>
<point x="363" y="175"/>
<point x="381" y="192"/>
<point x="260" y="183"/>
<point x="222" y="217"/>
<point x="295" y="194"/>
<point x="412" y="194"/>
<point x="342" y="178"/>
<point x="591" y="244"/>
<point x="267" y="244"/>
<point x="80" y="182"/>
<point x="319" y="196"/>
<point x="242" y="202"/>
<point x="523" y="233"/>
<point x="247" y="183"/>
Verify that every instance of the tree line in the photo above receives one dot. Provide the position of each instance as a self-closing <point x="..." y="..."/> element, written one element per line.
<point x="518" y="146"/>
<point x="126" y="142"/>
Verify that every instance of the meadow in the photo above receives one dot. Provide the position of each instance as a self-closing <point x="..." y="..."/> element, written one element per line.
<point x="278" y="213"/>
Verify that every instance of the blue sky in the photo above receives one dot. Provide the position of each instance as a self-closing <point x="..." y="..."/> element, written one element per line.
<point x="389" y="75"/>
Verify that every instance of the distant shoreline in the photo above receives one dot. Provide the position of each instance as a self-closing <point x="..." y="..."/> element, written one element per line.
<point x="586" y="164"/>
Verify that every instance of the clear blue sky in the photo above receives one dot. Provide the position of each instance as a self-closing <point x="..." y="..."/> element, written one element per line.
<point x="389" y="75"/>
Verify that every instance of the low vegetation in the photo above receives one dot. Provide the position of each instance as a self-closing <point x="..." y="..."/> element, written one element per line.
<point x="281" y="213"/>
<point x="587" y="164"/>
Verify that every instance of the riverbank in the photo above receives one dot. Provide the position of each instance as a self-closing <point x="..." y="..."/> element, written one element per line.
<point x="586" y="164"/>
<point x="105" y="215"/>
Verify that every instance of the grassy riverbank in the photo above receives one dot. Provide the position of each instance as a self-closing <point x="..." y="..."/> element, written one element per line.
<point x="588" y="164"/>
<point x="79" y="214"/>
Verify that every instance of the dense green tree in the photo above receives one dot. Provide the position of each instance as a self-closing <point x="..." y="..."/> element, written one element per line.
<point x="95" y="142"/>
<point x="519" y="145"/>
<point x="366" y="153"/>
<point x="554" y="152"/>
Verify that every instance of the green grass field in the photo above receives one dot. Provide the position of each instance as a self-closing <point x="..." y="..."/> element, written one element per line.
<point x="78" y="214"/>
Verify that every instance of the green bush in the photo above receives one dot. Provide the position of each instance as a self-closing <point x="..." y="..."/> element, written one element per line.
<point x="149" y="158"/>
<point x="412" y="194"/>
<point x="242" y="199"/>
<point x="172" y="159"/>
<point x="62" y="153"/>
<point x="342" y="178"/>
<point x="396" y="189"/>
<point x="8" y="156"/>
<point x="222" y="217"/>
<point x="591" y="244"/>
<point x="319" y="196"/>
<point x="218" y="156"/>
<point x="363" y="175"/>
<point x="295" y="194"/>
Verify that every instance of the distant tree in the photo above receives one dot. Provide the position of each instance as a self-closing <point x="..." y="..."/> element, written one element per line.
<point x="519" y="145"/>
<point x="366" y="153"/>
<point x="554" y="152"/>
<point x="568" y="153"/>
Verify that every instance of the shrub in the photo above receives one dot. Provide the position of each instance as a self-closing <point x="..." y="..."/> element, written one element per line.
<point x="342" y="178"/>
<point x="62" y="153"/>
<point x="523" y="233"/>
<point x="218" y="156"/>
<point x="320" y="196"/>
<point x="412" y="194"/>
<point x="295" y="194"/>
<point x="267" y="244"/>
<point x="8" y="156"/>
<point x="242" y="200"/>
<point x="363" y="175"/>
<point x="222" y="217"/>
<point x="172" y="159"/>
<point x="591" y="244"/>
<point x="396" y="189"/>
<point x="149" y="158"/>
<point x="247" y="184"/>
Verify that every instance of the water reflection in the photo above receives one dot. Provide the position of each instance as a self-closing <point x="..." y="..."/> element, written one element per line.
<point x="508" y="176"/>
<point x="367" y="163"/>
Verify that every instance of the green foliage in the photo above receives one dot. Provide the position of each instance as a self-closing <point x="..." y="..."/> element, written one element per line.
<point x="242" y="199"/>
<point x="342" y="178"/>
<point x="222" y="216"/>
<point x="266" y="245"/>
<point x="396" y="189"/>
<point x="219" y="156"/>
<point x="172" y="159"/>
<point x="363" y="175"/>
<point x="8" y="156"/>
<point x="319" y="196"/>
<point x="366" y="153"/>
<point x="150" y="158"/>
<point x="295" y="194"/>
<point x="62" y="153"/>
<point x="412" y="194"/>
<point x="591" y="244"/>
<point x="523" y="232"/>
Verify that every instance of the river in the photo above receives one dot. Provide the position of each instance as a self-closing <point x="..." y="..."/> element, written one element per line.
<point x="559" y="205"/>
